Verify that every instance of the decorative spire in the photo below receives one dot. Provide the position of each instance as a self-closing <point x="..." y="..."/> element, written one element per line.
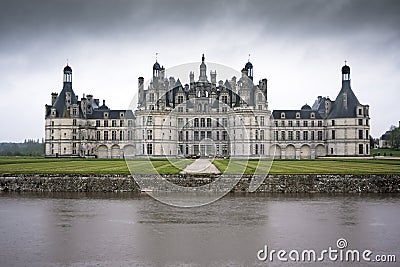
<point x="345" y="62"/>
<point x="202" y="58"/>
<point x="248" y="59"/>
<point x="156" y="56"/>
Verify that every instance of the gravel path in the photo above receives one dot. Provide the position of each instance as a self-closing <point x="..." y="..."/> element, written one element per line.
<point x="201" y="166"/>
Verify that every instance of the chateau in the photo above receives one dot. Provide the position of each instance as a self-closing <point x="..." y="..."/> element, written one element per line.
<point x="205" y="118"/>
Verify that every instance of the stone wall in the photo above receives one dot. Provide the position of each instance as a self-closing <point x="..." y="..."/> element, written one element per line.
<point x="273" y="183"/>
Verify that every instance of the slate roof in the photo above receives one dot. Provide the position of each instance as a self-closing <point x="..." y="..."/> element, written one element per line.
<point x="112" y="114"/>
<point x="60" y="104"/>
<point x="345" y="104"/>
<point x="291" y="114"/>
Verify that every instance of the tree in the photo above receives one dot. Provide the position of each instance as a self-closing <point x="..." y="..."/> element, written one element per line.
<point x="394" y="137"/>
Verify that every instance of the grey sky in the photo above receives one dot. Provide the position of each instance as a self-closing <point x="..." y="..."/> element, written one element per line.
<point x="299" y="46"/>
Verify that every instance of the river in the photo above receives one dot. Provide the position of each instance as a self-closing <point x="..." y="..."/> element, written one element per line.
<point x="76" y="229"/>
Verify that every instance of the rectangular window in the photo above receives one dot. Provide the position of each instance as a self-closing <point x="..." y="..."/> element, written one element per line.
<point x="217" y="137"/>
<point x="202" y="135"/>
<point x="149" y="149"/>
<point x="360" y="122"/>
<point x="290" y="123"/>
<point x="180" y="99"/>
<point x="262" y="135"/>
<point x="149" y="134"/>
<point x="256" y="134"/>
<point x="283" y="135"/>
<point x="360" y="149"/>
<point x="74" y="122"/>
<point x="121" y="123"/>
<point x="276" y="123"/>
<point x="149" y="120"/>
<point x="297" y="135"/>
<point x="305" y="135"/>
<point x="196" y="136"/>
<point x="105" y="135"/>
<point x="196" y="122"/>
<point x="187" y="135"/>
<point x="105" y="123"/>
<point x="209" y="134"/>
<point x="97" y="123"/>
<point x="319" y="133"/>
<point x="98" y="135"/>
<point x="366" y="135"/>
<point x="114" y="135"/>
<point x="333" y="134"/>
<point x="225" y="99"/>
<point x="180" y="109"/>
<point x="333" y="122"/>
<point x="208" y="122"/>
<point x="113" y="123"/>
<point x="312" y="124"/>
<point x="297" y="123"/>
<point x="130" y="123"/>
<point x="180" y="122"/>
<point x="305" y="123"/>
<point x="130" y="135"/>
<point x="262" y="121"/>
<point x="121" y="135"/>
<point x="360" y="134"/>
<point x="275" y="135"/>
<point x="224" y="135"/>
<point x="319" y="123"/>
<point x="359" y="111"/>
<point x="180" y="136"/>
<point x="312" y="135"/>
<point x="202" y="122"/>
<point x="283" y="123"/>
<point x="290" y="135"/>
<point x="225" y="122"/>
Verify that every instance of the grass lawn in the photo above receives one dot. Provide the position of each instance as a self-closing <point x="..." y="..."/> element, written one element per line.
<point x="18" y="165"/>
<point x="382" y="151"/>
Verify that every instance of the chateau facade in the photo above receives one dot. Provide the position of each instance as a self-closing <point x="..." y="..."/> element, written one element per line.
<point x="206" y="118"/>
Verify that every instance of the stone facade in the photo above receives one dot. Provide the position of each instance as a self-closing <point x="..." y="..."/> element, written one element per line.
<point x="207" y="118"/>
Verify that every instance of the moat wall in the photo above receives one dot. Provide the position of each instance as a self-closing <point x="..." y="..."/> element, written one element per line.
<point x="272" y="184"/>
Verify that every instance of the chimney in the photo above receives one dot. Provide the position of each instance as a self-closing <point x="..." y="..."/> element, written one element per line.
<point x="53" y="98"/>
<point x="319" y="99"/>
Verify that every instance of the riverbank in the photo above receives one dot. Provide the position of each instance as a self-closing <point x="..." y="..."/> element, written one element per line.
<point x="371" y="183"/>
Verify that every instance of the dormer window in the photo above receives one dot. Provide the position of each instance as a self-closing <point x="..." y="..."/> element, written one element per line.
<point x="121" y="114"/>
<point x="105" y="114"/>
<point x="282" y="115"/>
<point x="312" y="115"/>
<point x="297" y="115"/>
<point x="359" y="111"/>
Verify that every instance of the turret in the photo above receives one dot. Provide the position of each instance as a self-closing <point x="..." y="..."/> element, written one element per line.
<point x="53" y="98"/>
<point x="203" y="70"/>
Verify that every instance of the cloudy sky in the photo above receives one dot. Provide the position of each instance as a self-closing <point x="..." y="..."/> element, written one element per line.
<point x="299" y="46"/>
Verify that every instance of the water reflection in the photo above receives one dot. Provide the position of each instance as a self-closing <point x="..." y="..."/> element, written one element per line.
<point x="132" y="229"/>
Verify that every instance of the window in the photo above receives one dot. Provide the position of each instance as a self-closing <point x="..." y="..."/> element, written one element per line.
<point x="366" y="122"/>
<point x="130" y="135"/>
<point x="360" y="149"/>
<point x="312" y="124"/>
<point x="312" y="115"/>
<point x="290" y="123"/>
<point x="113" y="123"/>
<point x="52" y="123"/>
<point x="130" y="123"/>
<point x="187" y="136"/>
<point x="305" y="123"/>
<point x="98" y="135"/>
<point x="319" y="135"/>
<point x="149" y="134"/>
<point x="180" y="136"/>
<point x="297" y="123"/>
<point x="202" y="135"/>
<point x="224" y="135"/>
<point x="256" y="134"/>
<point x="217" y="137"/>
<point x="366" y="135"/>
<point x="312" y="135"/>
<point x="259" y="107"/>
<point x="105" y="135"/>
<point x="203" y="122"/>
<point x="275" y="135"/>
<point x="360" y="134"/>
<point x="262" y="135"/>
<point x="283" y="135"/>
<point x="74" y="122"/>
<point x="297" y="115"/>
<point x="290" y="135"/>
<point x="149" y="120"/>
<point x="256" y="149"/>
<point x="360" y="122"/>
<point x="283" y="123"/>
<point x="360" y="113"/>
<point x="297" y="135"/>
<point x="114" y="135"/>
<point x="224" y="109"/>
<point x="282" y="115"/>
<point x="224" y="99"/>
<point x="331" y="150"/>
<point x="121" y="135"/>
<point x="97" y="123"/>
<point x="366" y="149"/>
<point x="105" y="123"/>
<point x="180" y="109"/>
<point x="262" y="121"/>
<point x="208" y="122"/>
<point x="180" y="99"/>
<point x="305" y="135"/>
<point x="319" y="123"/>
<point x="225" y="122"/>
<point x="209" y="134"/>
<point x="196" y="122"/>
<point x="180" y="122"/>
<point x="149" y="149"/>
<point x="151" y="97"/>
<point x="333" y="134"/>
<point x="121" y="123"/>
<point x="276" y="123"/>
<point x="196" y="136"/>
<point x="333" y="122"/>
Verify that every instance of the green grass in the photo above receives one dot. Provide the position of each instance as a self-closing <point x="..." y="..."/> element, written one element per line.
<point x="321" y="166"/>
<point x="17" y="165"/>
<point x="382" y="151"/>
